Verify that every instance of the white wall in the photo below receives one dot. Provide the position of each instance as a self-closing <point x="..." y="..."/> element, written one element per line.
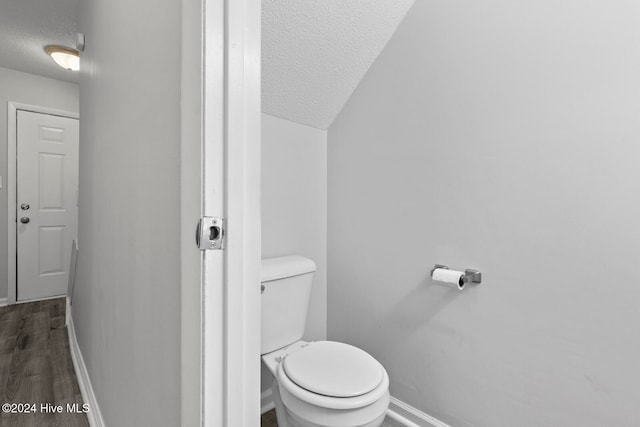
<point x="34" y="90"/>
<point x="294" y="205"/>
<point x="127" y="295"/>
<point x="503" y="136"/>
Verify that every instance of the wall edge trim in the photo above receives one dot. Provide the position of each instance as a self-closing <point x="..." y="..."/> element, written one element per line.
<point x="84" y="383"/>
<point x="410" y="416"/>
<point x="4" y="302"/>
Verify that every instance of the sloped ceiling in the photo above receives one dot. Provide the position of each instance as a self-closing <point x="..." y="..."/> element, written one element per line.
<point x="314" y="53"/>
<point x="27" y="26"/>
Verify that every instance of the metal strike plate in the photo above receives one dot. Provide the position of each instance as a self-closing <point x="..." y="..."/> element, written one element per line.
<point x="210" y="233"/>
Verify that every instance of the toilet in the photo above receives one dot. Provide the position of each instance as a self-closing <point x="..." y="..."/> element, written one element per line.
<point x="320" y="383"/>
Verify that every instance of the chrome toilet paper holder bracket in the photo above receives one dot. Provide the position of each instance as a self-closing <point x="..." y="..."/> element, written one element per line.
<point x="470" y="275"/>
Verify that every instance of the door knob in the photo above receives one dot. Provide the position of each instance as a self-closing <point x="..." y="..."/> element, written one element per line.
<point x="25" y="207"/>
<point x="24" y="220"/>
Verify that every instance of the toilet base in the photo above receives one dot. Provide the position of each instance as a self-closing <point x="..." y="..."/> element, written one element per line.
<point x="281" y="412"/>
<point x="288" y="419"/>
<point x="302" y="423"/>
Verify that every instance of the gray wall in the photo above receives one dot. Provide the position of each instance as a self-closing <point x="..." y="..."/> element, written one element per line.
<point x="34" y="90"/>
<point x="294" y="206"/>
<point x="504" y="136"/>
<point x="127" y="295"/>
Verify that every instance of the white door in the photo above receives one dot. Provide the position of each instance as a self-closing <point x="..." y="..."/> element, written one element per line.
<point x="47" y="205"/>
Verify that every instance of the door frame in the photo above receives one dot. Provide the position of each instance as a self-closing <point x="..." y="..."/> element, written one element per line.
<point x="220" y="176"/>
<point x="12" y="150"/>
<point x="242" y="209"/>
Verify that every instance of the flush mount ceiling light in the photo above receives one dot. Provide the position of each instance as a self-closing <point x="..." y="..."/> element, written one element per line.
<point x="64" y="57"/>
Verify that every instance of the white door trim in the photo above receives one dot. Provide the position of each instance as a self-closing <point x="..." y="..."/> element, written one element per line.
<point x="12" y="141"/>
<point x="243" y="253"/>
<point x="215" y="51"/>
<point x="220" y="176"/>
<point x="231" y="189"/>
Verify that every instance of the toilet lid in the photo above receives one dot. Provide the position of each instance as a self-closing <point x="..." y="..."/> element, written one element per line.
<point x="333" y="369"/>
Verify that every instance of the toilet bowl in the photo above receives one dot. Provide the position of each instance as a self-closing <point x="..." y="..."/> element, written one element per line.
<point x="327" y="384"/>
<point x="315" y="384"/>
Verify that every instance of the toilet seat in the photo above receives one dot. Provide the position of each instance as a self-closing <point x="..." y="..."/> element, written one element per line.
<point x="333" y="369"/>
<point x="333" y="375"/>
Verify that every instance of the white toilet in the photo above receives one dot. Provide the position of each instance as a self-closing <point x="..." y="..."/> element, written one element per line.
<point x="315" y="384"/>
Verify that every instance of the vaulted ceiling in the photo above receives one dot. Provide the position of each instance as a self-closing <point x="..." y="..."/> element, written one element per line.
<point x="314" y="52"/>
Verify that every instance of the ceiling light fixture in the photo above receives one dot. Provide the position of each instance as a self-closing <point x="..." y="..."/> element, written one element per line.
<point x="64" y="57"/>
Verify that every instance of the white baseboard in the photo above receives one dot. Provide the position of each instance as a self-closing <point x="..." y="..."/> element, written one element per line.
<point x="94" y="415"/>
<point x="3" y="301"/>
<point x="266" y="401"/>
<point x="67" y="313"/>
<point x="411" y="417"/>
<point x="398" y="411"/>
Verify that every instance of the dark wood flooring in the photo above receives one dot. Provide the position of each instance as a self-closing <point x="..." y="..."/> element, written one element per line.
<point x="268" y="419"/>
<point x="36" y="366"/>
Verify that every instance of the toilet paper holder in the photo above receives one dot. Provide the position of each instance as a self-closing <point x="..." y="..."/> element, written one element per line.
<point x="470" y="275"/>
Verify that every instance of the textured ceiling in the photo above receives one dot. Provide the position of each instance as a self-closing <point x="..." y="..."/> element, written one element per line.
<point x="314" y="53"/>
<point x="27" y="26"/>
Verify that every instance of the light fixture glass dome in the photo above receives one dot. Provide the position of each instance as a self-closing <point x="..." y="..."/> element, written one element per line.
<point x="65" y="57"/>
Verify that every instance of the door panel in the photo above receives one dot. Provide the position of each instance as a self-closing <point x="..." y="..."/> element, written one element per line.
<point x="51" y="250"/>
<point x="51" y="185"/>
<point x="47" y="209"/>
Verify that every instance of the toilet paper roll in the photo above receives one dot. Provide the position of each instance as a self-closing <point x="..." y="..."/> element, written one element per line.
<point x="449" y="277"/>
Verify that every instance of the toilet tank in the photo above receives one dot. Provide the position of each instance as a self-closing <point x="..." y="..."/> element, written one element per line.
<point x="285" y="300"/>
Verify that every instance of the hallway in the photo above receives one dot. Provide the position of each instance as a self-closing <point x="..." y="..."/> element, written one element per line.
<point x="36" y="367"/>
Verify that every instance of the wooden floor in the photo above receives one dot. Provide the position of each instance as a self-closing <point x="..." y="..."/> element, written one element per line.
<point x="268" y="419"/>
<point x="36" y="366"/>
